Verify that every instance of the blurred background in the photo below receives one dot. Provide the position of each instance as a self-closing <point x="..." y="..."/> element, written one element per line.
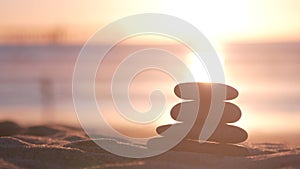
<point x="257" y="41"/>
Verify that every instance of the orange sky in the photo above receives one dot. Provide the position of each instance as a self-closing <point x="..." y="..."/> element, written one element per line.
<point x="232" y="20"/>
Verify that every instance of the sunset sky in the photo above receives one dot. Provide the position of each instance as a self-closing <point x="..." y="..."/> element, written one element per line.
<point x="233" y="20"/>
<point x="266" y="74"/>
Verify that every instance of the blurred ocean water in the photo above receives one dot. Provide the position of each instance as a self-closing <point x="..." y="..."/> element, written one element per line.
<point x="37" y="79"/>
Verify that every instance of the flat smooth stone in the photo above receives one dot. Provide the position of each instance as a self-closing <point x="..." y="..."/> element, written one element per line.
<point x="187" y="90"/>
<point x="231" y="113"/>
<point x="223" y="134"/>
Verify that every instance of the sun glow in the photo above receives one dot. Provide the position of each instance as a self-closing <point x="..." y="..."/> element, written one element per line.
<point x="216" y="19"/>
<point x="197" y="68"/>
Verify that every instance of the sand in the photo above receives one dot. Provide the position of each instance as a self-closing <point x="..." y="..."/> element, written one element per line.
<point x="59" y="146"/>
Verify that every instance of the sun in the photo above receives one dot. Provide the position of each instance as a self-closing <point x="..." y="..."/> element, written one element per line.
<point x="197" y="68"/>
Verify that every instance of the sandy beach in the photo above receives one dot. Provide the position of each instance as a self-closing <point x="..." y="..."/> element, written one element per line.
<point x="59" y="146"/>
<point x="78" y="74"/>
